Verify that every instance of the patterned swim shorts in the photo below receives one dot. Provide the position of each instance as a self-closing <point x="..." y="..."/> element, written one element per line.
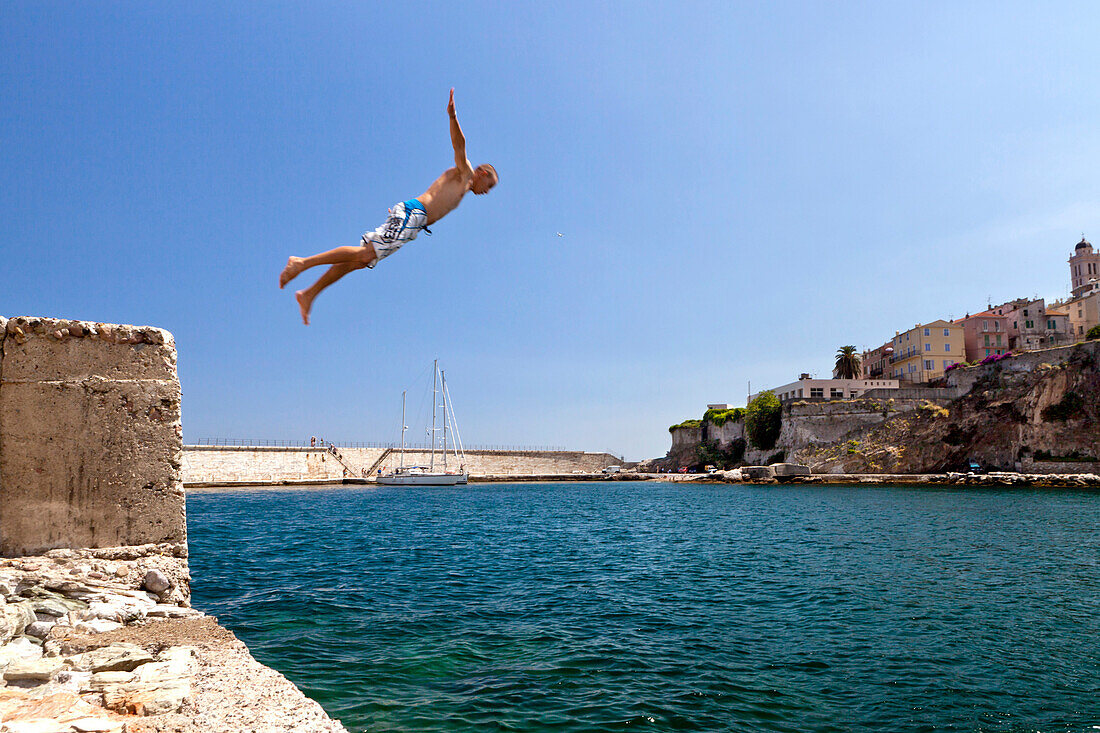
<point x="405" y="221"/>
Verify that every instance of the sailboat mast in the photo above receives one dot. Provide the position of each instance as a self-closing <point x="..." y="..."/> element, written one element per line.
<point x="403" y="427"/>
<point x="435" y="392"/>
<point x="443" y="378"/>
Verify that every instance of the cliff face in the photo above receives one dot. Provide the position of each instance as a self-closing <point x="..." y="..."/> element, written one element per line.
<point x="1015" y="412"/>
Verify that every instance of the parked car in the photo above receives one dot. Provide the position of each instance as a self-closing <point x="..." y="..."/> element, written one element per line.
<point x="973" y="466"/>
<point x="613" y="469"/>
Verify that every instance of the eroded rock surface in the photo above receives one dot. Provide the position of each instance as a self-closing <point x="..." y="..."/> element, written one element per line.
<point x="89" y="645"/>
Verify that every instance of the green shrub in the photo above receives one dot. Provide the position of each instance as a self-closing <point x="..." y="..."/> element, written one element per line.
<point x="763" y="418"/>
<point x="721" y="417"/>
<point x="1093" y="333"/>
<point x="725" y="459"/>
<point x="686" y="424"/>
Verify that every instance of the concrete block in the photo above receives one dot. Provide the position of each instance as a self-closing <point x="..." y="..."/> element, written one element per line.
<point x="757" y="473"/>
<point x="790" y="469"/>
<point x="90" y="437"/>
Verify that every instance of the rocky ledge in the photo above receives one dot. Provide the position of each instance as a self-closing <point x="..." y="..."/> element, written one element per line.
<point x="104" y="641"/>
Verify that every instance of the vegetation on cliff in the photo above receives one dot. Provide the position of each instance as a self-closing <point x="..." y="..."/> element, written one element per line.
<point x="763" y="418"/>
<point x="711" y="453"/>
<point x="721" y="417"/>
<point x="686" y="424"/>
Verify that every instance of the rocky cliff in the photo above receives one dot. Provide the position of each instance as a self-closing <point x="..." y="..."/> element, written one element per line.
<point x="1037" y="411"/>
<point x="1038" y="408"/>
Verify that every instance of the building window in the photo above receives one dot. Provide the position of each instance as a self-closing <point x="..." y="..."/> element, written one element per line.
<point x="1014" y="324"/>
<point x="1050" y="324"/>
<point x="929" y="365"/>
<point x="987" y="352"/>
<point x="927" y="332"/>
<point x="947" y="347"/>
<point x="985" y="325"/>
<point x="946" y="364"/>
<point x="947" y="332"/>
<point x="1025" y="312"/>
<point x="817" y="392"/>
<point x="998" y="340"/>
<point x="927" y="347"/>
<point x="986" y="343"/>
<point x="836" y="393"/>
<point x="996" y="325"/>
<point x="1029" y="324"/>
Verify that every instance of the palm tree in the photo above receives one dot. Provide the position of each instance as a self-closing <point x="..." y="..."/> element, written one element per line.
<point x="847" y="363"/>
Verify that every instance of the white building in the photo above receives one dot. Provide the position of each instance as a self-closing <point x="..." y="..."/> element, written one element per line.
<point x="827" y="389"/>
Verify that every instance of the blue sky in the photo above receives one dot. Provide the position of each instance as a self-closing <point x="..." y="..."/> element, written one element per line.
<point x="743" y="188"/>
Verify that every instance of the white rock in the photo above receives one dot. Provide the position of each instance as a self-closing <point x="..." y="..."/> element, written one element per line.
<point x="35" y="725"/>
<point x="33" y="669"/>
<point x="40" y="629"/>
<point x="96" y="725"/>
<point x="19" y="650"/>
<point x="156" y="581"/>
<point x="103" y="681"/>
<point x="117" y="657"/>
<point x="97" y="626"/>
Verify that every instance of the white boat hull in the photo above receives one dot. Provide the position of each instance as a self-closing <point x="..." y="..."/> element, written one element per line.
<point x="422" y="479"/>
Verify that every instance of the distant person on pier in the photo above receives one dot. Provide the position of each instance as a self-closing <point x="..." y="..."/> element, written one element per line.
<point x="405" y="221"/>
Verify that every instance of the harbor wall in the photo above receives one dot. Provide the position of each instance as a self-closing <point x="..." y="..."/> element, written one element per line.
<point x="90" y="437"/>
<point x="233" y="464"/>
<point x="259" y="464"/>
<point x="513" y="463"/>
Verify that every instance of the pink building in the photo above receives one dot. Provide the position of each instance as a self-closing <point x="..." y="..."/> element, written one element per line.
<point x="984" y="334"/>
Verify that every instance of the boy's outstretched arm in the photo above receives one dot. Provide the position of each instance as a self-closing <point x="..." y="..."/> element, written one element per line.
<point x="458" y="140"/>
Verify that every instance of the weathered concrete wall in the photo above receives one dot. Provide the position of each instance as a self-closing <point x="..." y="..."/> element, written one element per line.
<point x="90" y="438"/>
<point x="725" y="434"/>
<point x="1058" y="467"/>
<point x="218" y="464"/>
<point x="820" y="423"/>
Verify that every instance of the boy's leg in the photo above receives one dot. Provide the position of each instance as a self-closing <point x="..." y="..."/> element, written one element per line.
<point x="363" y="256"/>
<point x="341" y="255"/>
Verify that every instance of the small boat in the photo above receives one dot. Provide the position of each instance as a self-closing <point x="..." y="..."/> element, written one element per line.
<point x="429" y="475"/>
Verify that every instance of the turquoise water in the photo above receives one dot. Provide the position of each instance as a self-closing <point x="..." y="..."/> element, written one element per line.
<point x="658" y="607"/>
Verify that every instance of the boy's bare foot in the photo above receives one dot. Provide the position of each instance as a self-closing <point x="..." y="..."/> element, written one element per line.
<point x="305" y="303"/>
<point x="292" y="270"/>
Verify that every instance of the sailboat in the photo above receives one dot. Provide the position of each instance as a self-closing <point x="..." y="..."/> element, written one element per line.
<point x="429" y="475"/>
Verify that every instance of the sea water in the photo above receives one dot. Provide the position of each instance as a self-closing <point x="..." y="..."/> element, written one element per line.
<point x="660" y="607"/>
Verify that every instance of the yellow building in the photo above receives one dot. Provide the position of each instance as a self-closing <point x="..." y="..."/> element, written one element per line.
<point x="1084" y="312"/>
<point x="925" y="351"/>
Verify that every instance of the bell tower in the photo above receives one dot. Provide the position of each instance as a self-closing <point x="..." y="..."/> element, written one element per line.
<point x="1084" y="266"/>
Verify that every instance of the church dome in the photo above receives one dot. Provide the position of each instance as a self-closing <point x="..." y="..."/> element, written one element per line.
<point x="1082" y="244"/>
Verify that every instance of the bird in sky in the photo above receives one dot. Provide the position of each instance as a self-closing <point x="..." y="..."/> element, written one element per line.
<point x="560" y="234"/>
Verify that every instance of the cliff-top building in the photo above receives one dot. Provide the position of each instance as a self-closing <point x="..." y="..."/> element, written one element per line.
<point x="810" y="389"/>
<point x="984" y="334"/>
<point x="924" y="352"/>
<point x="1084" y="267"/>
<point x="1031" y="326"/>
<point x="1084" y="311"/>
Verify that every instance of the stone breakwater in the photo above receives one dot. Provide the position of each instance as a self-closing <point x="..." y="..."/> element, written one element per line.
<point x="103" y="641"/>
